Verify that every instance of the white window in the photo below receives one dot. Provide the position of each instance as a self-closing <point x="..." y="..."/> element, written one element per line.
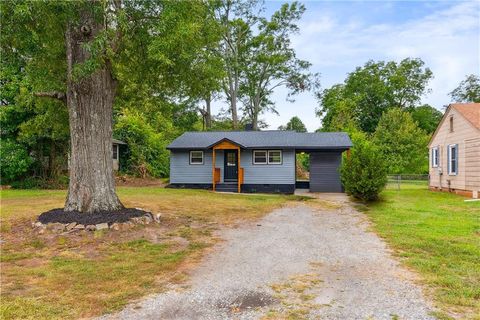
<point x="267" y="157"/>
<point x="259" y="157"/>
<point x="435" y="157"/>
<point x="196" y="157"/>
<point x="274" y="157"/>
<point x="452" y="159"/>
<point x="115" y="152"/>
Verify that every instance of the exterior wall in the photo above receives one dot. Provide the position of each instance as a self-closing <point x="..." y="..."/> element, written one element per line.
<point x="268" y="173"/>
<point x="181" y="172"/>
<point x="464" y="134"/>
<point x="472" y="165"/>
<point x="324" y="174"/>
<point x="115" y="165"/>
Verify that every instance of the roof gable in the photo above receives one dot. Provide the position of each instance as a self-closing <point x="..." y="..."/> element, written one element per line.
<point x="469" y="111"/>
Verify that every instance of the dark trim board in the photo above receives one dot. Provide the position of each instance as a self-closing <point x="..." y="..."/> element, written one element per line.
<point x="268" y="188"/>
<point x="302" y="184"/>
<point x="205" y="186"/>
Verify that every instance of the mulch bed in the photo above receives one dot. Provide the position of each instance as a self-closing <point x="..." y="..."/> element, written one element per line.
<point x="119" y="216"/>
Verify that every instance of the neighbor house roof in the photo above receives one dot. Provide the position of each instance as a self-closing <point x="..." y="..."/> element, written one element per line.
<point x="470" y="111"/>
<point x="264" y="139"/>
<point x="117" y="141"/>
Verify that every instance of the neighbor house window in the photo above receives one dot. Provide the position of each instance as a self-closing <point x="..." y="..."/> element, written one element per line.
<point x="435" y="155"/>
<point x="115" y="152"/>
<point x="274" y="157"/>
<point x="260" y="157"/>
<point x="452" y="159"/>
<point x="196" y="157"/>
<point x="451" y="124"/>
<point x="267" y="157"/>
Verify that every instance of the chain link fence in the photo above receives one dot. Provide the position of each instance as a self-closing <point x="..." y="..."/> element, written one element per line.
<point x="407" y="181"/>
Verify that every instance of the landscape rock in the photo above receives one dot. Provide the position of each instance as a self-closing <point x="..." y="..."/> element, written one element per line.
<point x="79" y="227"/>
<point x="101" y="226"/>
<point x="116" y="226"/>
<point x="157" y="217"/>
<point x="71" y="226"/>
<point x="90" y="227"/>
<point x="56" y="227"/>
<point x="147" y="219"/>
<point x="38" y="224"/>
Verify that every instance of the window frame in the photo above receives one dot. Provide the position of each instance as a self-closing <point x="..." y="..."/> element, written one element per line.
<point x="115" y="154"/>
<point x="451" y="158"/>
<point x="196" y="163"/>
<point x="275" y="163"/>
<point x="267" y="157"/>
<point x="260" y="163"/>
<point x="435" y="157"/>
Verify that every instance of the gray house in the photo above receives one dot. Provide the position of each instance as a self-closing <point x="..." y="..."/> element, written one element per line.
<point x="256" y="161"/>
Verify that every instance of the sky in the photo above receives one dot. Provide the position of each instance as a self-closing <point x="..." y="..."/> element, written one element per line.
<point x="338" y="36"/>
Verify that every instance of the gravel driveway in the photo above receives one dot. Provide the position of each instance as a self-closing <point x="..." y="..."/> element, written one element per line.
<point x="302" y="261"/>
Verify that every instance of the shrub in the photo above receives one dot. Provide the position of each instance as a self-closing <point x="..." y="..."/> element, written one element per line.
<point x="364" y="173"/>
<point x="146" y="153"/>
<point x="14" y="160"/>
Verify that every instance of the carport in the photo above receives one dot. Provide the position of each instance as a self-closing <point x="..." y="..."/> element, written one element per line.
<point x="324" y="171"/>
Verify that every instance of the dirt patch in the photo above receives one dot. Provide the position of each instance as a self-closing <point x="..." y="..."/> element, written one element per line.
<point x="119" y="216"/>
<point x="129" y="181"/>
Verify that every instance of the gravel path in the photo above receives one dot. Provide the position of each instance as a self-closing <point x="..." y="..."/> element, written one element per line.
<point x="351" y="273"/>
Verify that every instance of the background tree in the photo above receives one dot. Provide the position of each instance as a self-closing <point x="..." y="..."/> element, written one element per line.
<point x="81" y="52"/>
<point x="295" y="124"/>
<point x="373" y="89"/>
<point x="401" y="142"/>
<point x="426" y="117"/>
<point x="236" y="17"/>
<point x="270" y="62"/>
<point x="468" y="90"/>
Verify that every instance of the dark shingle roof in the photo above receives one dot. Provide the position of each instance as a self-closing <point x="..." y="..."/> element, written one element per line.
<point x="264" y="139"/>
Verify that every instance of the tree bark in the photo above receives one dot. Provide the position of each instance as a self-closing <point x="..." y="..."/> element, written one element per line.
<point x="90" y="105"/>
<point x="208" y="115"/>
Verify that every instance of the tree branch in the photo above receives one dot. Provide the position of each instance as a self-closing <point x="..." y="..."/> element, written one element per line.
<point x="54" y="95"/>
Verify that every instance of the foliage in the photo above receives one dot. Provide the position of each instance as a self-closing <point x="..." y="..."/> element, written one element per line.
<point x="468" y="90"/>
<point x="295" y="124"/>
<point x="146" y="153"/>
<point x="402" y="143"/>
<point x="426" y="117"/>
<point x="14" y="160"/>
<point x="364" y="172"/>
<point x="271" y="62"/>
<point x="371" y="90"/>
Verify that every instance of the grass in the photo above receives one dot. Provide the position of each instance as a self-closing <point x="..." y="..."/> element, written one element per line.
<point x="438" y="235"/>
<point x="48" y="276"/>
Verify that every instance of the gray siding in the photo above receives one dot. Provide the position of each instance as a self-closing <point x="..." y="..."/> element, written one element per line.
<point x="181" y="171"/>
<point x="268" y="173"/>
<point x="324" y="174"/>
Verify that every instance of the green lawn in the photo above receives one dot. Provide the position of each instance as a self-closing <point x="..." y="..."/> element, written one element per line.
<point x="438" y="235"/>
<point x="84" y="274"/>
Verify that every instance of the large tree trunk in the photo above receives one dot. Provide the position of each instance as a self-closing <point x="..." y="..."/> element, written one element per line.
<point x="90" y="105"/>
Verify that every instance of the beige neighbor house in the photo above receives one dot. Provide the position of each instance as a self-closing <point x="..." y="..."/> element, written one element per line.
<point x="455" y="151"/>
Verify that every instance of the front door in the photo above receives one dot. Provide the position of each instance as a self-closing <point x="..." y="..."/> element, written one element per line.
<point x="231" y="166"/>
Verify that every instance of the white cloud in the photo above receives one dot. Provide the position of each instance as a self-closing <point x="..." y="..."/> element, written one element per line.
<point x="446" y="39"/>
